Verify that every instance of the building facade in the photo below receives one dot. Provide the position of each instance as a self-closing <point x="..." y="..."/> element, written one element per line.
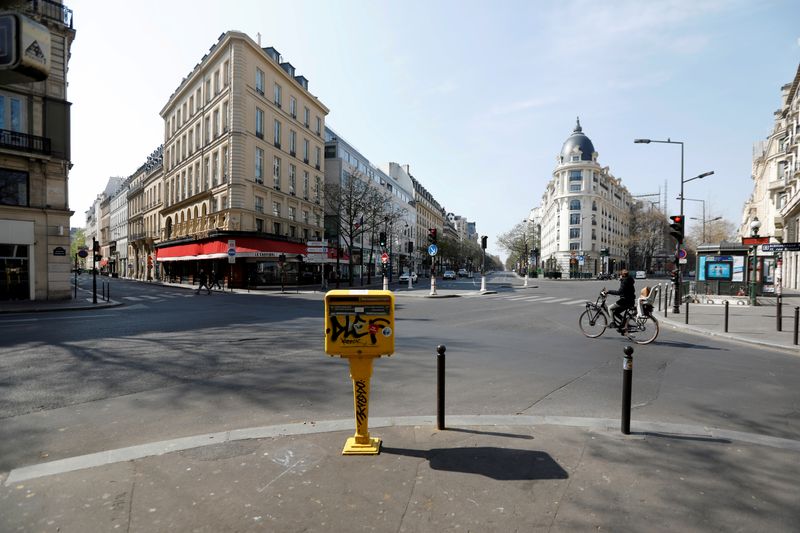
<point x="585" y="213"/>
<point x="243" y="141"/>
<point x="775" y="199"/>
<point x="34" y="167"/>
<point x="430" y="215"/>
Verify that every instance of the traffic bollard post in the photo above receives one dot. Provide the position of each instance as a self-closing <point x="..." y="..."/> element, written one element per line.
<point x="659" y="296"/>
<point x="627" y="378"/>
<point x="726" y="316"/>
<point x="779" y="314"/>
<point x="796" y="322"/>
<point x="686" y="314"/>
<point x="440" y="386"/>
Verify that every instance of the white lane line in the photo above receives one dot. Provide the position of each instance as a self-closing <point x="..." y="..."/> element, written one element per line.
<point x="151" y="297"/>
<point x="574" y="302"/>
<point x="131" y="298"/>
<point x="557" y="300"/>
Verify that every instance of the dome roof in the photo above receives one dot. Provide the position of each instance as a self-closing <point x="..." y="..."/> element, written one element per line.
<point x="579" y="140"/>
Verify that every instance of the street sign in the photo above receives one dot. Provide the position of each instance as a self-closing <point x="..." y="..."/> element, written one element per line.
<point x="580" y="259"/>
<point x="384" y="258"/>
<point x="318" y="249"/>
<point x="682" y="260"/>
<point x="232" y="251"/>
<point x="83" y="253"/>
<point x="316" y="243"/>
<point x="783" y="247"/>
<point x="433" y="250"/>
<point x="681" y="254"/>
<point x="750" y="241"/>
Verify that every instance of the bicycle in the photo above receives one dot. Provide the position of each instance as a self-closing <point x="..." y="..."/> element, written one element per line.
<point x="639" y="324"/>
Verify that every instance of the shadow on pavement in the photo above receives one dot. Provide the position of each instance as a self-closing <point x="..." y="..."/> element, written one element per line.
<point x="501" y="464"/>
<point x="699" y="438"/>
<point x="492" y="433"/>
<point x="687" y="345"/>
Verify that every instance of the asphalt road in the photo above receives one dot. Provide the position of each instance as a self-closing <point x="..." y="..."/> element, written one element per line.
<point x="170" y="363"/>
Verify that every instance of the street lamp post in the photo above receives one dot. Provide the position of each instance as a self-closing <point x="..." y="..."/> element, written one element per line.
<point x="677" y="299"/>
<point x="525" y="237"/>
<point x="754" y="226"/>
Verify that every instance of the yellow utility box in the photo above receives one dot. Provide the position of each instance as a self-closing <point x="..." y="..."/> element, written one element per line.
<point x="359" y="325"/>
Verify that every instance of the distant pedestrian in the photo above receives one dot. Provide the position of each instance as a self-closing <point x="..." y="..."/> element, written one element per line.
<point x="215" y="280"/>
<point x="203" y="282"/>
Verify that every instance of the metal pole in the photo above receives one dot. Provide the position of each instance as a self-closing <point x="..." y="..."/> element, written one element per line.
<point x="676" y="302"/>
<point x="94" y="272"/>
<point x="779" y="313"/>
<point x="76" y="276"/>
<point x="627" y="378"/>
<point x="796" y="322"/>
<point x="666" y="301"/>
<point x="659" y="297"/>
<point x="687" y="311"/>
<point x="726" y="316"/>
<point x="440" y="386"/>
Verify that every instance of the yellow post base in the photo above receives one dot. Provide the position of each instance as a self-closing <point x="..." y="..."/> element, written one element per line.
<point x="351" y="447"/>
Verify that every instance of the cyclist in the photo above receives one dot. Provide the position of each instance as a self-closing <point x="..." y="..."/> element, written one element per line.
<point x="627" y="298"/>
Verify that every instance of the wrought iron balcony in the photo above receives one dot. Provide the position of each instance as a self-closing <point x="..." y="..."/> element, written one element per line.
<point x="24" y="142"/>
<point x="52" y="11"/>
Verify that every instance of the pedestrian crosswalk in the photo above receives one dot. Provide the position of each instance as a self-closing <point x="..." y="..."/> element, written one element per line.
<point x="539" y="298"/>
<point x="162" y="297"/>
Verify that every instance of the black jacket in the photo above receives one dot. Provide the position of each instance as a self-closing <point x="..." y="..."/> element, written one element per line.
<point x="626" y="292"/>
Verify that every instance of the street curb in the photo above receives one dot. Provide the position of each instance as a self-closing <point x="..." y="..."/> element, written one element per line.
<point x="728" y="336"/>
<point x="105" y="305"/>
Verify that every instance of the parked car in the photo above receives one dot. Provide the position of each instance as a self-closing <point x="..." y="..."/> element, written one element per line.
<point x="449" y="274"/>
<point x="404" y="277"/>
<point x="462" y="273"/>
<point x="640" y="274"/>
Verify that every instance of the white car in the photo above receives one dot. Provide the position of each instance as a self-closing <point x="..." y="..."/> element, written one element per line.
<point x="404" y="277"/>
<point x="449" y="274"/>
<point x="640" y="274"/>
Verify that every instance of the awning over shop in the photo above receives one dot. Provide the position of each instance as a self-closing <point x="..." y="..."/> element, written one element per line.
<point x="218" y="249"/>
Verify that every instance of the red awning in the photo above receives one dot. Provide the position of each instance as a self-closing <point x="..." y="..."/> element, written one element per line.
<point x="218" y="249"/>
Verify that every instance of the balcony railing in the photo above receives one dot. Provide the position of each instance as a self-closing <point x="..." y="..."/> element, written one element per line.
<point x="52" y="10"/>
<point x="24" y="142"/>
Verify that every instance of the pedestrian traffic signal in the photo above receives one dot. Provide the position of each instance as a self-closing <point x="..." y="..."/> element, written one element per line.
<point x="432" y="235"/>
<point x="382" y="239"/>
<point x="484" y="239"/>
<point x="676" y="228"/>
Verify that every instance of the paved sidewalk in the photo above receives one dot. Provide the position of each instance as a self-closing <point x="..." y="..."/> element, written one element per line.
<point x="481" y="474"/>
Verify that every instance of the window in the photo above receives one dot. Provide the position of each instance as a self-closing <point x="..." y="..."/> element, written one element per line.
<point x="259" y="165"/>
<point x="208" y="91"/>
<point x="574" y="218"/>
<point x="292" y="214"/>
<point x="305" y="151"/>
<point x="574" y="187"/>
<point x="208" y="130"/>
<point x="225" y="116"/>
<point x="574" y="233"/>
<point x="277" y="134"/>
<point x="292" y="142"/>
<point x="305" y="184"/>
<point x="214" y="205"/>
<point x="259" y="225"/>
<point x="306" y="116"/>
<point x="292" y="231"/>
<point x="215" y="168"/>
<point x="259" y="123"/>
<point x="259" y="204"/>
<point x="216" y="123"/>
<point x="305" y="234"/>
<point x="225" y="163"/>
<point x="276" y="209"/>
<point x="13" y="187"/>
<point x="330" y="151"/>
<point x="594" y="205"/>
<point x="317" y="153"/>
<point x="316" y="188"/>
<point x="319" y="125"/>
<point x="317" y="221"/>
<point x="15" y="121"/>
<point x="575" y="175"/>
<point x="574" y="246"/>
<point x="276" y="228"/>
<point x="276" y="172"/>
<point x="226" y="73"/>
<point x="207" y="168"/>
<point x="292" y="178"/>
<point x="276" y="93"/>
<point x="260" y="81"/>
<point x="305" y="217"/>
<point x="293" y="106"/>
<point x="574" y="205"/>
<point x="216" y="84"/>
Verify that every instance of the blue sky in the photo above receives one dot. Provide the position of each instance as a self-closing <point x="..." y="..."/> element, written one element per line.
<point x="478" y="97"/>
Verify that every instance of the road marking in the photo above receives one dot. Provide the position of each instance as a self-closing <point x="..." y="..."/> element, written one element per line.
<point x="557" y="300"/>
<point x="71" y="317"/>
<point x="132" y="298"/>
<point x="574" y="302"/>
<point x="151" y="297"/>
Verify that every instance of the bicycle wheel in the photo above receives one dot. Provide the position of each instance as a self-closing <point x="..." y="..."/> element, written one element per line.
<point x="642" y="330"/>
<point x="593" y="323"/>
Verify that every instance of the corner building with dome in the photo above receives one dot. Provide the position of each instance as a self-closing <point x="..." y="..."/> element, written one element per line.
<point x="585" y="214"/>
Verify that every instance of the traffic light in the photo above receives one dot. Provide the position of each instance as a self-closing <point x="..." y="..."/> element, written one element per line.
<point x="411" y="247"/>
<point x="484" y="239"/>
<point x="382" y="239"/>
<point x="432" y="235"/>
<point x="676" y="228"/>
<point x="95" y="245"/>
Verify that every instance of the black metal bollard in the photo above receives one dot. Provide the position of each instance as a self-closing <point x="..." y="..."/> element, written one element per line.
<point x="666" y="302"/>
<point x="796" y="322"/>
<point x="726" y="316"/>
<point x="659" y="296"/>
<point x="779" y="313"/>
<point x="687" y="312"/>
<point x="440" y="386"/>
<point x="627" y="378"/>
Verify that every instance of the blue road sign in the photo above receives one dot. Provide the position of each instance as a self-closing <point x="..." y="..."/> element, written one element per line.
<point x="433" y="250"/>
